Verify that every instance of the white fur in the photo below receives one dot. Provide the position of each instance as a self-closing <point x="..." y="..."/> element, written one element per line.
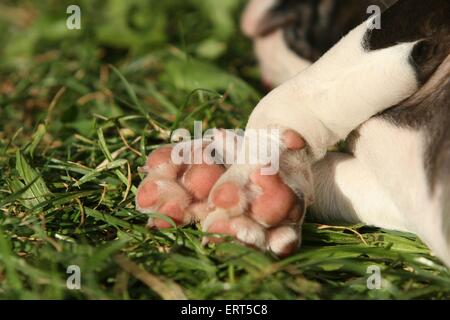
<point x="383" y="184"/>
<point x="347" y="192"/>
<point x="328" y="100"/>
<point x="286" y="235"/>
<point x="253" y="13"/>
<point x="278" y="63"/>
<point x="252" y="234"/>
<point x="396" y="157"/>
<point x="325" y="102"/>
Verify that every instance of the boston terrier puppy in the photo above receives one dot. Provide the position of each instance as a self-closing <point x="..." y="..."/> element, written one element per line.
<point x="385" y="90"/>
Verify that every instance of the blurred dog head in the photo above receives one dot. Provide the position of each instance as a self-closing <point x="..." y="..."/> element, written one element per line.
<point x="290" y="34"/>
<point x="263" y="21"/>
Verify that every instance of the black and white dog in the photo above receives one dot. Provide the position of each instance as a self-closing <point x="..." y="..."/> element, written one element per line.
<point x="386" y="91"/>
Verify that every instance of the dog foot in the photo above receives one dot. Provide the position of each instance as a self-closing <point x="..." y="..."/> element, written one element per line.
<point x="178" y="191"/>
<point x="260" y="209"/>
<point x="263" y="211"/>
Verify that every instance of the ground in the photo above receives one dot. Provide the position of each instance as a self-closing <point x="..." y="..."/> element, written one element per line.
<point x="80" y="110"/>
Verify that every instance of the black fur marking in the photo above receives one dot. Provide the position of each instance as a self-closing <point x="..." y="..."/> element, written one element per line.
<point x="415" y="20"/>
<point x="312" y="27"/>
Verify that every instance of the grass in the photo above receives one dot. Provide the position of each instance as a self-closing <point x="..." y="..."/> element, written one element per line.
<point x="80" y="109"/>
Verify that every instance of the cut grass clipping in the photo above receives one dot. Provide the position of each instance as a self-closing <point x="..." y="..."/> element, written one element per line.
<point x="80" y="110"/>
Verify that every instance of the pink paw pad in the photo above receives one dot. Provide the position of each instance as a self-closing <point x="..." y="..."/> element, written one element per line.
<point x="199" y="179"/>
<point x="159" y="156"/>
<point x="173" y="210"/>
<point x="147" y="195"/>
<point x="275" y="202"/>
<point x="226" y="196"/>
<point x="161" y="161"/>
<point x="292" y="140"/>
<point x="220" y="227"/>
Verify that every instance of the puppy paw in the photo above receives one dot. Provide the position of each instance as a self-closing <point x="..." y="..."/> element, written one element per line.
<point x="259" y="210"/>
<point x="178" y="191"/>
